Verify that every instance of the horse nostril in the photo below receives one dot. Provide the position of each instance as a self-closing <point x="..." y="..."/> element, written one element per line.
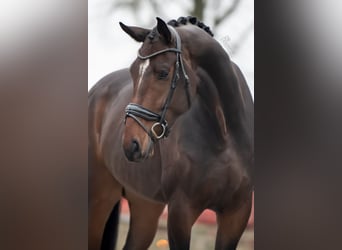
<point x="132" y="152"/>
<point x="134" y="146"/>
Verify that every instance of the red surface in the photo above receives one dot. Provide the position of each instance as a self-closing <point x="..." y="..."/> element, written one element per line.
<point x="207" y="217"/>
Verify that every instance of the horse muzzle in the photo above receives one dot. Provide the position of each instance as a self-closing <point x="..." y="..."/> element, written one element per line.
<point x="137" y="147"/>
<point x="133" y="151"/>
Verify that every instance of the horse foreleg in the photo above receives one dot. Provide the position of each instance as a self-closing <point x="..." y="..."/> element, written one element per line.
<point x="104" y="192"/>
<point x="144" y="217"/>
<point x="231" y="225"/>
<point x="181" y="217"/>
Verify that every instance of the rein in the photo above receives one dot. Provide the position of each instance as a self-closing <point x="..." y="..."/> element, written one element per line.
<point x="160" y="128"/>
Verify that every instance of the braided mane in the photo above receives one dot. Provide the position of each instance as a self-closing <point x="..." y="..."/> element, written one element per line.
<point x="190" y="19"/>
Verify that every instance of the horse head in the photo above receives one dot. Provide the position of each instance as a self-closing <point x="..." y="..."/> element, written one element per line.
<point x="161" y="76"/>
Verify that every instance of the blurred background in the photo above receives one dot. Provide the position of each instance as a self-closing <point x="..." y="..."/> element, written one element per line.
<point x="43" y="105"/>
<point x="110" y="49"/>
<point x="43" y="110"/>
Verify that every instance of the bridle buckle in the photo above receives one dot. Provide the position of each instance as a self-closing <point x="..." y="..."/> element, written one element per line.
<point x="158" y="130"/>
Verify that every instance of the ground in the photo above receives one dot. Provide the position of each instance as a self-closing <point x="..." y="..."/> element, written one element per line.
<point x="203" y="236"/>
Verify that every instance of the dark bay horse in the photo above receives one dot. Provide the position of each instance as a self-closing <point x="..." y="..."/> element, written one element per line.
<point x="175" y="129"/>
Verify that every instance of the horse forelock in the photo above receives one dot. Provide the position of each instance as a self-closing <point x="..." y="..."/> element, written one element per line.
<point x="153" y="43"/>
<point x="152" y="34"/>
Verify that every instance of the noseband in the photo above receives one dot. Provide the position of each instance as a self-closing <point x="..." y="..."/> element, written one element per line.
<point x="160" y="128"/>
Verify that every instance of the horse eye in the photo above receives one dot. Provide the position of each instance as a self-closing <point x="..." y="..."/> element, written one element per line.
<point x="163" y="74"/>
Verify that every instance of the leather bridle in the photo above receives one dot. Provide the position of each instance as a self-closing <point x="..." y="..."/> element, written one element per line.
<point x="160" y="128"/>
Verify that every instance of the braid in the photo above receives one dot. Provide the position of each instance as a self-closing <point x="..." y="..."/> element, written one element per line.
<point x="190" y="19"/>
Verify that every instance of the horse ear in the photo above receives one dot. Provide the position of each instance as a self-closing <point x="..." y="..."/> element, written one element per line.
<point x="137" y="33"/>
<point x="163" y="30"/>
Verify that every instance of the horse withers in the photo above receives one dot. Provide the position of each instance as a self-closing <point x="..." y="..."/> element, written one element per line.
<point x="175" y="129"/>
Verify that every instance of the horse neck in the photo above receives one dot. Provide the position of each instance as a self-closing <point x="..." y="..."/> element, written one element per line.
<point x="215" y="68"/>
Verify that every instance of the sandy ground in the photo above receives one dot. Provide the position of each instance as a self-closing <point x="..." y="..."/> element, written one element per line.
<point x="203" y="236"/>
